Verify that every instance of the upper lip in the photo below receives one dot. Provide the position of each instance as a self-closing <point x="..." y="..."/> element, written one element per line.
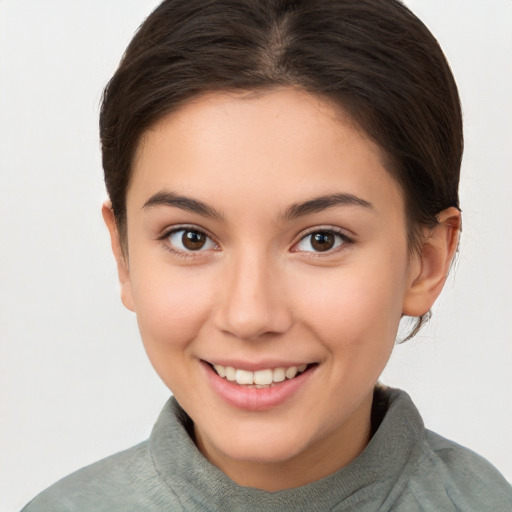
<point x="253" y="366"/>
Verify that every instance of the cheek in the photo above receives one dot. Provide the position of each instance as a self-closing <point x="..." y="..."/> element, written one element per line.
<point x="355" y="307"/>
<point x="171" y="305"/>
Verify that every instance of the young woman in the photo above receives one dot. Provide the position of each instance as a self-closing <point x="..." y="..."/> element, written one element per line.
<point x="283" y="182"/>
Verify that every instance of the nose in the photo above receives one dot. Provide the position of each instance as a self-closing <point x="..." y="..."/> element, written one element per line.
<point x="253" y="302"/>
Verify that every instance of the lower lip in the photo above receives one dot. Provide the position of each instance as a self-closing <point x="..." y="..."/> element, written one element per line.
<point x="254" y="399"/>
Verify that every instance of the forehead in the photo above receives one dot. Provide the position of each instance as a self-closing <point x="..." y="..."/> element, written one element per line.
<point x="279" y="145"/>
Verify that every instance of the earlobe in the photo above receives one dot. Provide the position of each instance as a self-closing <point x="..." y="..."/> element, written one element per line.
<point x="431" y="268"/>
<point x="123" y="269"/>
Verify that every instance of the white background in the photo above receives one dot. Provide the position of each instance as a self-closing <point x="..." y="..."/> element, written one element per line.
<point x="74" y="380"/>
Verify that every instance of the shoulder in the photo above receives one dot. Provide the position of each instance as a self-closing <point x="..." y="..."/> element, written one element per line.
<point x="124" y="482"/>
<point x="468" y="480"/>
<point x="435" y="473"/>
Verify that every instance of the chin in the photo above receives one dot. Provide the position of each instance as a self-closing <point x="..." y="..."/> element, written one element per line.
<point x="257" y="444"/>
<point x="266" y="451"/>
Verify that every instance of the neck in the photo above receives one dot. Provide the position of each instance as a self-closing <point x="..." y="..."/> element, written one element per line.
<point x="321" y="458"/>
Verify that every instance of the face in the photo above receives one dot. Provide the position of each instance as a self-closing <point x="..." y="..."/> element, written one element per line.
<point x="268" y="266"/>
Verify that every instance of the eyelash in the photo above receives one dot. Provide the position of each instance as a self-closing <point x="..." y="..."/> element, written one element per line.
<point x="343" y="241"/>
<point x="179" y="252"/>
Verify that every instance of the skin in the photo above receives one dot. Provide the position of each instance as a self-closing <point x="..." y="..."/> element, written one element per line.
<point x="258" y="293"/>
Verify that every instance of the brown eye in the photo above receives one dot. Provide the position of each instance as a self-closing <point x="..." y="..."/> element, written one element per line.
<point x="186" y="240"/>
<point x="321" y="241"/>
<point x="193" y="240"/>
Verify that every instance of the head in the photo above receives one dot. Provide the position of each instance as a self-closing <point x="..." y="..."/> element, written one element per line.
<point x="374" y="60"/>
<point x="302" y="107"/>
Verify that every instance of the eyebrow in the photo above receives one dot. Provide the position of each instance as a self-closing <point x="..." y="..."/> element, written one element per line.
<point x="315" y="205"/>
<point x="318" y="204"/>
<point x="165" y="198"/>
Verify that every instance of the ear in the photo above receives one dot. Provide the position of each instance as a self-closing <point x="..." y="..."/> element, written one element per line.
<point x="123" y="269"/>
<point x="430" y="267"/>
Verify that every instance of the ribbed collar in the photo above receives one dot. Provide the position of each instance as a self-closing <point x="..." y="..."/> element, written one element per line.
<point x="375" y="472"/>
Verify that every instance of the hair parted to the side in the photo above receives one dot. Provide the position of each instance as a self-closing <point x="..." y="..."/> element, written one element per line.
<point x="374" y="59"/>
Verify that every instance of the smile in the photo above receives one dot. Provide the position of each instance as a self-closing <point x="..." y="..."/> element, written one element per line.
<point x="261" y="378"/>
<point x="261" y="389"/>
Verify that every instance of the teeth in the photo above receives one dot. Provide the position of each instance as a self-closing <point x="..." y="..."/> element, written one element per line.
<point x="291" y="372"/>
<point x="230" y="373"/>
<point x="262" y="377"/>
<point x="279" y="374"/>
<point x="220" y="370"/>
<point x="258" y="379"/>
<point x="244" y="377"/>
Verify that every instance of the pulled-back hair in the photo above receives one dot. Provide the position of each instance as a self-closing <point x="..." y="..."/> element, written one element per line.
<point x="372" y="58"/>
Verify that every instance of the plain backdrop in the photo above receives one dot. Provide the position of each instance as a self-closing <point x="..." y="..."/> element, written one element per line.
<point x="75" y="382"/>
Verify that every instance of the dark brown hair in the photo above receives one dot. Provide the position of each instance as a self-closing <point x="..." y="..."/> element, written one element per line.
<point x="372" y="58"/>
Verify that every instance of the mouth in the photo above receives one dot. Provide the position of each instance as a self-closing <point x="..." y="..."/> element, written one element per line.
<point x="260" y="379"/>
